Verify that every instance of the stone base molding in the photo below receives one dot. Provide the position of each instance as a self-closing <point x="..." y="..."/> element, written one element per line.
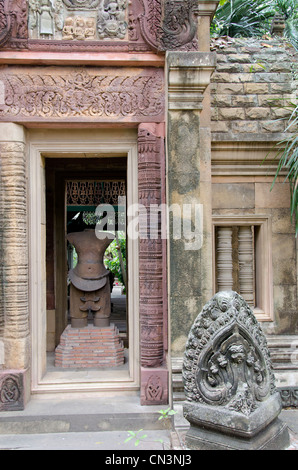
<point x="12" y="390"/>
<point x="154" y="386"/>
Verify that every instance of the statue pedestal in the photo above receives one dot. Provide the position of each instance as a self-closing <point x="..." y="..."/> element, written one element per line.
<point x="89" y="347"/>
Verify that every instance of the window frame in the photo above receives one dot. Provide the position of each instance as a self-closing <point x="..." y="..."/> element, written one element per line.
<point x="264" y="311"/>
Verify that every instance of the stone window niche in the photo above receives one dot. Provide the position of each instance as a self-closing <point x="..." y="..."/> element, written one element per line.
<point x="243" y="260"/>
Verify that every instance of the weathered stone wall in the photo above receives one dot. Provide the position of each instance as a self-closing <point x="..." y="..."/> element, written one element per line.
<point x="252" y="81"/>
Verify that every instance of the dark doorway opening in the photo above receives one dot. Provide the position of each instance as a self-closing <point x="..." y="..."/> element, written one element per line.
<point x="74" y="188"/>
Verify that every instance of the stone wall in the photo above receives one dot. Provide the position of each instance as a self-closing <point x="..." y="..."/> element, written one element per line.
<point x="252" y="81"/>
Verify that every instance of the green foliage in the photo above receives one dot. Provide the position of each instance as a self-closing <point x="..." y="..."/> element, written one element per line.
<point x="287" y="156"/>
<point x="253" y="18"/>
<point x="136" y="436"/>
<point x="112" y="260"/>
<point x="166" y="413"/>
<point x="243" y="18"/>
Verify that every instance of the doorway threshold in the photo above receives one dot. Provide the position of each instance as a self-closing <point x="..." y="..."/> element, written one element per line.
<point x="83" y="413"/>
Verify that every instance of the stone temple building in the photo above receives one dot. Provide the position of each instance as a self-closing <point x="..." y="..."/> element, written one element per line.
<point x="129" y="104"/>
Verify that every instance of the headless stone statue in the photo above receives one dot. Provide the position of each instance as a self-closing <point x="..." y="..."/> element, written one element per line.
<point x="90" y="287"/>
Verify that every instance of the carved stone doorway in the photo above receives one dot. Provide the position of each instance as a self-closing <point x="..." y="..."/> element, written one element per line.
<point x="52" y="164"/>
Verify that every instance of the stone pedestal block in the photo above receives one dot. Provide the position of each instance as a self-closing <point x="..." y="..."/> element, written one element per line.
<point x="154" y="386"/>
<point x="89" y="347"/>
<point x="12" y="390"/>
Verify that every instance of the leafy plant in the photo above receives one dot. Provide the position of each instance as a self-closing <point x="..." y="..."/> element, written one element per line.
<point x="287" y="156"/>
<point x="136" y="436"/>
<point x="166" y="413"/>
<point x="253" y="18"/>
<point x="112" y="257"/>
<point x="243" y="18"/>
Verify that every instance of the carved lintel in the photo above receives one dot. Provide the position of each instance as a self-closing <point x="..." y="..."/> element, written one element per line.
<point x="107" y="95"/>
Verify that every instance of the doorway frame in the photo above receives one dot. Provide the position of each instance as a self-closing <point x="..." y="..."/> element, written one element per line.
<point x="81" y="144"/>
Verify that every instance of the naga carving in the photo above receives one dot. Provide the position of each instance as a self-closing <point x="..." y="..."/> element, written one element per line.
<point x="170" y="25"/>
<point x="232" y="401"/>
<point x="227" y="361"/>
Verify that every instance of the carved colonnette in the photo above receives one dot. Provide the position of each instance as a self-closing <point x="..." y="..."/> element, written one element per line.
<point x="14" y="302"/>
<point x="154" y="374"/>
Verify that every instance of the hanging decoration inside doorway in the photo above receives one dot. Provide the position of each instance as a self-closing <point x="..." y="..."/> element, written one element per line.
<point x="93" y="193"/>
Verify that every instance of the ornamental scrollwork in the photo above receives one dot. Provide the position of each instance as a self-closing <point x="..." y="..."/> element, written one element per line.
<point x="170" y="25"/>
<point x="227" y="360"/>
<point x="82" y="94"/>
<point x="5" y="22"/>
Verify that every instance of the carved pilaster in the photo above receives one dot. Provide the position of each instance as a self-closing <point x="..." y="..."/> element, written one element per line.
<point x="152" y="271"/>
<point x="189" y="184"/>
<point x="14" y="247"/>
<point x="151" y="151"/>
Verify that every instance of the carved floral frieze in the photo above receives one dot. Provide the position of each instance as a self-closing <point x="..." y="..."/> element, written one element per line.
<point x="81" y="94"/>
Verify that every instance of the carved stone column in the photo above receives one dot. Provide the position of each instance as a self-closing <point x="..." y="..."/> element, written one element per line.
<point x="224" y="253"/>
<point x="154" y="374"/>
<point x="189" y="191"/>
<point x="246" y="264"/>
<point x="14" y="308"/>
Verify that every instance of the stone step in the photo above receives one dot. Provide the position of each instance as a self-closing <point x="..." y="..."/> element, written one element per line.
<point x="54" y="415"/>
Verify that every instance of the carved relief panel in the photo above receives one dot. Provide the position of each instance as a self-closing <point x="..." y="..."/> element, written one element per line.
<point x="78" y="20"/>
<point x="138" y="25"/>
<point x="96" y="94"/>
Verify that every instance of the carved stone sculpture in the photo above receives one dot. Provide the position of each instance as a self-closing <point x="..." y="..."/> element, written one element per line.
<point x="90" y="287"/>
<point x="170" y="25"/>
<point x="232" y="401"/>
<point x="111" y="21"/>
